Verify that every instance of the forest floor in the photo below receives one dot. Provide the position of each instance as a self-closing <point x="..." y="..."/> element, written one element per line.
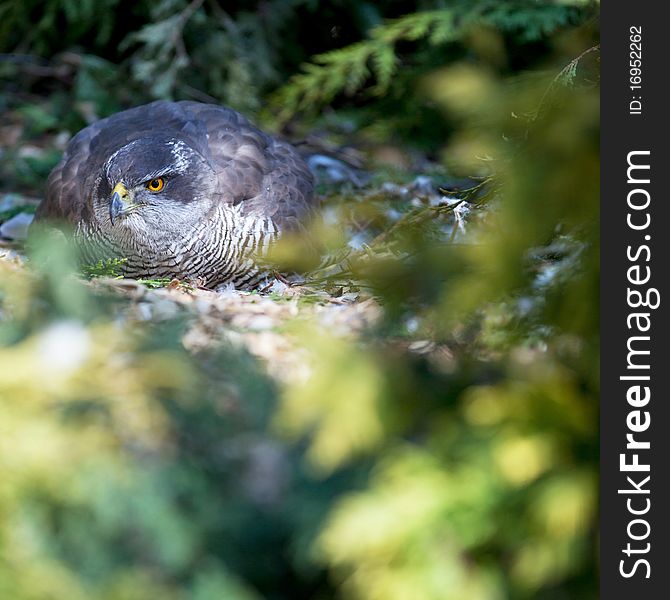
<point x="253" y="320"/>
<point x="256" y="321"/>
<point x="366" y="205"/>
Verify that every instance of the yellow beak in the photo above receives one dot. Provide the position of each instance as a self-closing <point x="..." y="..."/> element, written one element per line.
<point x="121" y="190"/>
<point x="118" y="202"/>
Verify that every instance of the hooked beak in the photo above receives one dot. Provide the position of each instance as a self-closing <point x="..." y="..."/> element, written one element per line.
<point x="117" y="205"/>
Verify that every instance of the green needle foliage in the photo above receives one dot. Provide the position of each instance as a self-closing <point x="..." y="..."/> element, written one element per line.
<point x="446" y="451"/>
<point x="104" y="268"/>
<point x="484" y="437"/>
<point x="348" y="70"/>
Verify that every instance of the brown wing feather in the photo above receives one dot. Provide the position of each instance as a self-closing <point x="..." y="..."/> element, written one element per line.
<point x="265" y="175"/>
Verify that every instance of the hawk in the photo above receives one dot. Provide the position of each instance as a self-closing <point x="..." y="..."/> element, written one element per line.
<point x="183" y="190"/>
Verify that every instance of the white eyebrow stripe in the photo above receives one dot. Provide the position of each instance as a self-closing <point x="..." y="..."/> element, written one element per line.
<point x="160" y="173"/>
<point x="110" y="160"/>
<point x="180" y="154"/>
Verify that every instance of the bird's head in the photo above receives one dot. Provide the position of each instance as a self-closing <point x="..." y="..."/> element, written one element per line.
<point x="152" y="182"/>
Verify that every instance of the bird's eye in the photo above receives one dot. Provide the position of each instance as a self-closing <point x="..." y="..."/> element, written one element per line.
<point x="156" y="185"/>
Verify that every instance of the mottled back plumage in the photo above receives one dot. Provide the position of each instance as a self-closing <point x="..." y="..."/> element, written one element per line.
<point x="226" y="191"/>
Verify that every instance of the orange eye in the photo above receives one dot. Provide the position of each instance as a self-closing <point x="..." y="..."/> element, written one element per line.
<point x="156" y="185"/>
